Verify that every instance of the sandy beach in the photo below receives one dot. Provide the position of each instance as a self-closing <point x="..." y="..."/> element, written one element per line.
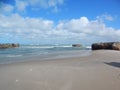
<point x="98" y="71"/>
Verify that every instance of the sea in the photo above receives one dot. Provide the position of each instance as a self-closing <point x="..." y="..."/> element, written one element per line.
<point x="41" y="52"/>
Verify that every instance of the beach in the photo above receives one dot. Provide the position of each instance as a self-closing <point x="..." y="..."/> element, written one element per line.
<point x="97" y="71"/>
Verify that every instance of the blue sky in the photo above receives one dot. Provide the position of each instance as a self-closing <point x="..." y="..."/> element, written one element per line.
<point x="59" y="21"/>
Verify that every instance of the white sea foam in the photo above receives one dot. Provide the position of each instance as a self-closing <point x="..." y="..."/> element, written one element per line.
<point x="89" y="47"/>
<point x="47" y="47"/>
<point x="39" y="47"/>
<point x="64" y="46"/>
<point x="14" y="55"/>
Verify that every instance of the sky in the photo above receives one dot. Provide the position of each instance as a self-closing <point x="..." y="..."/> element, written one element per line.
<point x="59" y="21"/>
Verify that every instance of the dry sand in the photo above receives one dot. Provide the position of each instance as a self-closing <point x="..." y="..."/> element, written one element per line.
<point x="99" y="71"/>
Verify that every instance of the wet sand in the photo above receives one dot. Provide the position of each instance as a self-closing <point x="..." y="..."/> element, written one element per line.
<point x="99" y="71"/>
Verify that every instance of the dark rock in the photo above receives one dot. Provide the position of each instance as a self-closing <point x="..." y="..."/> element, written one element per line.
<point x="13" y="45"/>
<point x="106" y="45"/>
<point x="76" y="45"/>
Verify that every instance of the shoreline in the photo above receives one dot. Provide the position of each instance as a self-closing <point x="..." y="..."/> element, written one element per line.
<point x="47" y="56"/>
<point x="98" y="71"/>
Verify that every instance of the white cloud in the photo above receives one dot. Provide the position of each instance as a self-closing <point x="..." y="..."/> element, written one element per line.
<point x="6" y="8"/>
<point x="44" y="4"/>
<point x="105" y="17"/>
<point x="55" y="4"/>
<point x="89" y="31"/>
<point x="81" y="30"/>
<point x="24" y="28"/>
<point x="21" y="5"/>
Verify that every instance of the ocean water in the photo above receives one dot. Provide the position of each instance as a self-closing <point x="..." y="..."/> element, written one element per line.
<point x="41" y="52"/>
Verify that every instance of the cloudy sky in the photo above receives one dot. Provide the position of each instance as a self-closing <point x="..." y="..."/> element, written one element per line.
<point x="59" y="21"/>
